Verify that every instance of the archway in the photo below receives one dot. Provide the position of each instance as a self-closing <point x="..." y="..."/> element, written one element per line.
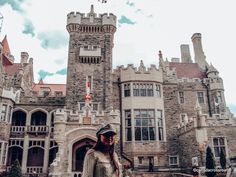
<point x="18" y="118"/>
<point x="79" y="150"/>
<point x="14" y="153"/>
<point x="39" y="118"/>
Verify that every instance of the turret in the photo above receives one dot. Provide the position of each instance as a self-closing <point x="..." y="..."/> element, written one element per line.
<point x="185" y="54"/>
<point x="76" y="22"/>
<point x="198" y="51"/>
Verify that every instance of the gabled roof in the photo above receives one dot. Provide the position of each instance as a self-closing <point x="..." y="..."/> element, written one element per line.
<point x="7" y="57"/>
<point x="52" y="87"/>
<point x="13" y="68"/>
<point x="187" y="70"/>
<point x="5" y="46"/>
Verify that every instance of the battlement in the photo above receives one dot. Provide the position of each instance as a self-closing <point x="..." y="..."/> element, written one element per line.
<point x="91" y="18"/>
<point x="141" y="73"/>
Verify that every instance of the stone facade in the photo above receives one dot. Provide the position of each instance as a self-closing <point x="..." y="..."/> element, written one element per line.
<point x="165" y="116"/>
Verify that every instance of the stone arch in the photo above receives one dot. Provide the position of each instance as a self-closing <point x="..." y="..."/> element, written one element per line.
<point x="79" y="150"/>
<point x="14" y="152"/>
<point x="38" y="117"/>
<point x="79" y="138"/>
<point x="19" y="117"/>
<point x="35" y="156"/>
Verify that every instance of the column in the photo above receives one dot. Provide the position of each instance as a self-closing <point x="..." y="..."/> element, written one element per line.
<point x="25" y="154"/>
<point x="46" y="154"/>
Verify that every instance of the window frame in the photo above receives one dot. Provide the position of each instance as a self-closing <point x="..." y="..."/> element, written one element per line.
<point x="201" y="98"/>
<point x="173" y="157"/>
<point x="219" y="146"/>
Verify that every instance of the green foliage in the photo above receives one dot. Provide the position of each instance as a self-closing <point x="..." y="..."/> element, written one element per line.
<point x="210" y="163"/>
<point x="15" y="170"/>
<point x="4" y="174"/>
<point x="222" y="159"/>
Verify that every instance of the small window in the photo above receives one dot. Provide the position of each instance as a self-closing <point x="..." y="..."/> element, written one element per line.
<point x="95" y="106"/>
<point x="58" y="93"/>
<point x="140" y="160"/>
<point x="4" y="112"/>
<point x="127" y="90"/>
<point x="81" y="105"/>
<point x="200" y="97"/>
<point x="181" y="97"/>
<point x="173" y="160"/>
<point x="183" y="118"/>
<point x="158" y="90"/>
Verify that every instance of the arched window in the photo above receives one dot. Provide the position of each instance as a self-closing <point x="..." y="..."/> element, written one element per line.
<point x="39" y="118"/>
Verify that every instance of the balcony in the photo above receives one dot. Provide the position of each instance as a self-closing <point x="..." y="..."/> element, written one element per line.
<point x="38" y="129"/>
<point x="17" y="129"/>
<point x="34" y="170"/>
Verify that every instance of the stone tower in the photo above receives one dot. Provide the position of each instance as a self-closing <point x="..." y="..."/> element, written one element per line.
<point x="90" y="58"/>
<point x="198" y="51"/>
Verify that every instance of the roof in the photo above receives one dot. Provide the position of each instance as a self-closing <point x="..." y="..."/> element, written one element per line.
<point x="13" y="68"/>
<point x="5" y="46"/>
<point x="52" y="87"/>
<point x="187" y="70"/>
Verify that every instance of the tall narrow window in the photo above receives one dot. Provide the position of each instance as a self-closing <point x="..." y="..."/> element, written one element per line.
<point x="135" y="89"/>
<point x="181" y="97"/>
<point x="127" y="90"/>
<point x="89" y="83"/>
<point x="128" y="133"/>
<point x="200" y="97"/>
<point x="143" y="90"/>
<point x="219" y="145"/>
<point x="149" y="90"/>
<point x="4" y="112"/>
<point x="160" y="125"/>
<point x="158" y="90"/>
<point x="0" y="152"/>
<point x="9" y="114"/>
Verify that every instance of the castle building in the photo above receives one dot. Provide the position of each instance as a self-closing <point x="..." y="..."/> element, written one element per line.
<point x="165" y="115"/>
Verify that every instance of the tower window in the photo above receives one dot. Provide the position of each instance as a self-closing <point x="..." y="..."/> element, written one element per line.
<point x="200" y="97"/>
<point x="181" y="97"/>
<point x="126" y="90"/>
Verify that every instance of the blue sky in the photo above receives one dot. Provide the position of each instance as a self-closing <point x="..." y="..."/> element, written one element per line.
<point x="143" y="28"/>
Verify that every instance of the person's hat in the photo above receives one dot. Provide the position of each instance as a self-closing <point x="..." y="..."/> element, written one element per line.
<point x="105" y="129"/>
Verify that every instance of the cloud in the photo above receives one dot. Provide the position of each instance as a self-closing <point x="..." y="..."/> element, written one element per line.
<point x="60" y="61"/>
<point x="42" y="74"/>
<point x="125" y="20"/>
<point x="53" y="39"/>
<point x="15" y="4"/>
<point x="131" y="4"/>
<point x="62" y="71"/>
<point x="138" y="10"/>
<point x="150" y="16"/>
<point x="29" y="28"/>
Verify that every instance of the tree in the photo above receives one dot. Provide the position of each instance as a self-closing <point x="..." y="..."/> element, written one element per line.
<point x="15" y="170"/>
<point x="210" y="163"/>
<point x="222" y="159"/>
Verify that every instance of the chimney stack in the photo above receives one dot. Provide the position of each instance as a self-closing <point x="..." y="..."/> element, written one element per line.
<point x="198" y="51"/>
<point x="185" y="54"/>
<point x="24" y="57"/>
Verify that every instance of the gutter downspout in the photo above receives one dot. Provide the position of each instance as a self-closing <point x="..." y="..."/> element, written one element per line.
<point x="208" y="98"/>
<point x="121" y="130"/>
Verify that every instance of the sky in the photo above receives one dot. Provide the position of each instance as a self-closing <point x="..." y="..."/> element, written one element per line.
<point x="143" y="28"/>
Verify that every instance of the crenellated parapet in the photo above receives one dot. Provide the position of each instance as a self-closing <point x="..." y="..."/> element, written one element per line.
<point x="141" y="73"/>
<point x="91" y="22"/>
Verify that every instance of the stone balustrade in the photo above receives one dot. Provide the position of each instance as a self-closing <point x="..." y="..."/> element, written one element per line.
<point x="17" y="129"/>
<point x="37" y="129"/>
<point x="34" y="170"/>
